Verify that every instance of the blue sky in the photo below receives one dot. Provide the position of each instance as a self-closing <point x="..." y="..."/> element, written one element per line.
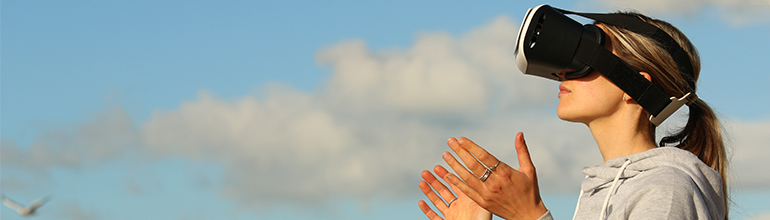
<point x="320" y="110"/>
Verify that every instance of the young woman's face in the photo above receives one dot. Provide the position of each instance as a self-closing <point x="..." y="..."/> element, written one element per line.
<point x="590" y="97"/>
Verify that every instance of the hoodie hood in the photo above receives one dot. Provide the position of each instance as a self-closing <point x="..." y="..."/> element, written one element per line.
<point x="707" y="180"/>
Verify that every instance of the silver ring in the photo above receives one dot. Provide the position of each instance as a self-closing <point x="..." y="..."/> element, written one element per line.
<point x="485" y="175"/>
<point x="495" y="166"/>
<point x="451" y="201"/>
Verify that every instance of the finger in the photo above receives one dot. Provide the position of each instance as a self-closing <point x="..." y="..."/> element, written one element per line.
<point x="428" y="211"/>
<point x="482" y="155"/>
<point x="458" y="168"/>
<point x="438" y="186"/>
<point x="473" y="182"/>
<point x="454" y="188"/>
<point x="525" y="160"/>
<point x="469" y="160"/>
<point x="457" y="184"/>
<point x="435" y="199"/>
<point x="440" y="171"/>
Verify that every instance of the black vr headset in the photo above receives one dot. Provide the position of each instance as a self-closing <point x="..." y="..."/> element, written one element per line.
<point x="549" y="43"/>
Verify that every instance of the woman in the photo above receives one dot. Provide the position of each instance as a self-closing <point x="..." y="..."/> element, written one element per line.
<point x="681" y="179"/>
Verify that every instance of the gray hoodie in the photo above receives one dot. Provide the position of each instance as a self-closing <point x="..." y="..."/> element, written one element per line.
<point x="661" y="183"/>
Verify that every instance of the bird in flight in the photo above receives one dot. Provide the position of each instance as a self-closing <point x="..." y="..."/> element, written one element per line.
<point x="24" y="211"/>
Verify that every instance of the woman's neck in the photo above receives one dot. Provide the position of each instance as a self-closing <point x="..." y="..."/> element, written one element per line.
<point x="620" y="135"/>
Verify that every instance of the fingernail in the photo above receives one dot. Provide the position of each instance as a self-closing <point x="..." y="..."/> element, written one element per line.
<point x="446" y="156"/>
<point x="450" y="177"/>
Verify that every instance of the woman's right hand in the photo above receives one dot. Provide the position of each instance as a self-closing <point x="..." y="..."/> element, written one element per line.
<point x="460" y="207"/>
<point x="501" y="189"/>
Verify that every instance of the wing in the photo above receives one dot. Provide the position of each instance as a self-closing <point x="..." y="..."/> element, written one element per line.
<point x="38" y="203"/>
<point x="11" y="204"/>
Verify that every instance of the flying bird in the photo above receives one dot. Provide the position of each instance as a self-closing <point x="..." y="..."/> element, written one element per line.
<point x="24" y="211"/>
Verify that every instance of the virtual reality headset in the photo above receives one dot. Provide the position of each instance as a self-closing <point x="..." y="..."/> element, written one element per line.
<point x="550" y="43"/>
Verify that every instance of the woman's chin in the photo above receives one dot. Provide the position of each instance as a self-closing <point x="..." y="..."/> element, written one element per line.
<point x="565" y="115"/>
<point x="565" y="118"/>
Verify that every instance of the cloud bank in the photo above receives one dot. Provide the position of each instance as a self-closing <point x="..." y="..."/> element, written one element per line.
<point x="736" y="12"/>
<point x="382" y="118"/>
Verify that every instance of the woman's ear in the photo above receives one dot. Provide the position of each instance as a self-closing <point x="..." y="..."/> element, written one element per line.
<point x="646" y="76"/>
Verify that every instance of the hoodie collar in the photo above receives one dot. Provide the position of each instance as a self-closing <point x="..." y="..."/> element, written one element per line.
<point x="601" y="175"/>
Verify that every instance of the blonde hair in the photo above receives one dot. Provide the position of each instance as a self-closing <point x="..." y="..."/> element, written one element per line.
<point x="702" y="135"/>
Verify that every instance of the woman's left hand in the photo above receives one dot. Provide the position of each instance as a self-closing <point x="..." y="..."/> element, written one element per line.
<point x="459" y="207"/>
<point x="495" y="186"/>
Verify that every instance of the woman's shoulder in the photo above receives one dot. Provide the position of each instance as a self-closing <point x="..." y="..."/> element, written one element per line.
<point x="669" y="193"/>
<point x="672" y="162"/>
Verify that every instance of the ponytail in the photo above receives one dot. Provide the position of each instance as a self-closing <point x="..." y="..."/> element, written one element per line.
<point x="702" y="136"/>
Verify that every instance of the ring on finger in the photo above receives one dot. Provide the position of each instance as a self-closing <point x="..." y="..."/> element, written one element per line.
<point x="486" y="174"/>
<point x="450" y="202"/>
<point x="495" y="166"/>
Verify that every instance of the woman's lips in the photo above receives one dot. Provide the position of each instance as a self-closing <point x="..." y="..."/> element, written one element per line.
<point x="563" y="90"/>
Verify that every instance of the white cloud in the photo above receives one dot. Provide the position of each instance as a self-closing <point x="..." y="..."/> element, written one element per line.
<point x="749" y="153"/>
<point x="101" y="139"/>
<point x="737" y="12"/>
<point x="289" y="148"/>
<point x="439" y="74"/>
